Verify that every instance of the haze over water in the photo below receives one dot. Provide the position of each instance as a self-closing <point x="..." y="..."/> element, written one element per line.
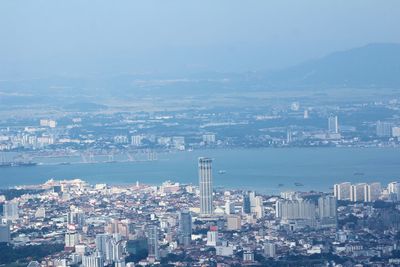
<point x="259" y="169"/>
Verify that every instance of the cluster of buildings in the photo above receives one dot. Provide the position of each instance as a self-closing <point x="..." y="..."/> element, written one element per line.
<point x="311" y="125"/>
<point x="102" y="225"/>
<point x="364" y="192"/>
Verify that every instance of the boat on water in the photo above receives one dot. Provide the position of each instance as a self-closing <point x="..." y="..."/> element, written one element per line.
<point x="298" y="184"/>
<point x="18" y="164"/>
<point x="358" y="173"/>
<point x="280" y="185"/>
<point x="221" y="171"/>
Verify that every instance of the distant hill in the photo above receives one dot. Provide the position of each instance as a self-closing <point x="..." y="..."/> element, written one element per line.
<point x="373" y="66"/>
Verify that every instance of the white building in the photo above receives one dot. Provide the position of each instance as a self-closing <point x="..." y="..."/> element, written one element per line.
<point x="71" y="240"/>
<point x="342" y="191"/>
<point x="327" y="211"/>
<point x="212" y="237"/>
<point x="94" y="260"/>
<point x="333" y="125"/>
<point x="357" y="192"/>
<point x="372" y="192"/>
<point x="10" y="210"/>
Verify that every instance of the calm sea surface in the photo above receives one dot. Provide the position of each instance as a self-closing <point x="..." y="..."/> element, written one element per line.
<point x="259" y="169"/>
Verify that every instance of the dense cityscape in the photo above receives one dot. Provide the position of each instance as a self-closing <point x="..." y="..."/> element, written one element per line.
<point x="117" y="136"/>
<point x="199" y="133"/>
<point x="70" y="222"/>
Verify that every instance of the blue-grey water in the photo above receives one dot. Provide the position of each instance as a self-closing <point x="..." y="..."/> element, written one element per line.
<point x="259" y="169"/>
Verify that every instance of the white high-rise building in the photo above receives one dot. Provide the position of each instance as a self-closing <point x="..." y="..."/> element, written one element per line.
<point x="357" y="192"/>
<point x="117" y="249"/>
<point x="94" y="260"/>
<point x="342" y="191"/>
<point x="206" y="187"/>
<point x="212" y="236"/>
<point x="292" y="210"/>
<point x="258" y="208"/>
<point x="10" y="210"/>
<point x="229" y="207"/>
<point x="394" y="190"/>
<point x="101" y="243"/>
<point x="333" y="124"/>
<point x="71" y="239"/>
<point x="327" y="211"/>
<point x="372" y="192"/>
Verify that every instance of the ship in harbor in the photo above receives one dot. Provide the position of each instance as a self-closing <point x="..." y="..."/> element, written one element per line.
<point x="17" y="164"/>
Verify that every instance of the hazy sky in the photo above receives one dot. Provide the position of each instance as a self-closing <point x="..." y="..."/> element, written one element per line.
<point x="44" y="37"/>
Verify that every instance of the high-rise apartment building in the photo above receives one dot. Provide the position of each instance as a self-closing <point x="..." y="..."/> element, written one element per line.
<point x="357" y="192"/>
<point x="327" y="211"/>
<point x="212" y="236"/>
<point x="94" y="260"/>
<point x="342" y="191"/>
<point x="4" y="233"/>
<point x="10" y="210"/>
<point x="372" y="192"/>
<point x="185" y="228"/>
<point x="246" y="203"/>
<point x="153" y="247"/>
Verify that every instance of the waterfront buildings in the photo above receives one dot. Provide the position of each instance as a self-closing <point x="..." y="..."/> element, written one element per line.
<point x="342" y="191"/>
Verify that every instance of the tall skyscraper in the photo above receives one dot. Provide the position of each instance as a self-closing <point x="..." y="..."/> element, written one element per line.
<point x="206" y="188"/>
<point x="333" y="124"/>
<point x="101" y="243"/>
<point x="185" y="228"/>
